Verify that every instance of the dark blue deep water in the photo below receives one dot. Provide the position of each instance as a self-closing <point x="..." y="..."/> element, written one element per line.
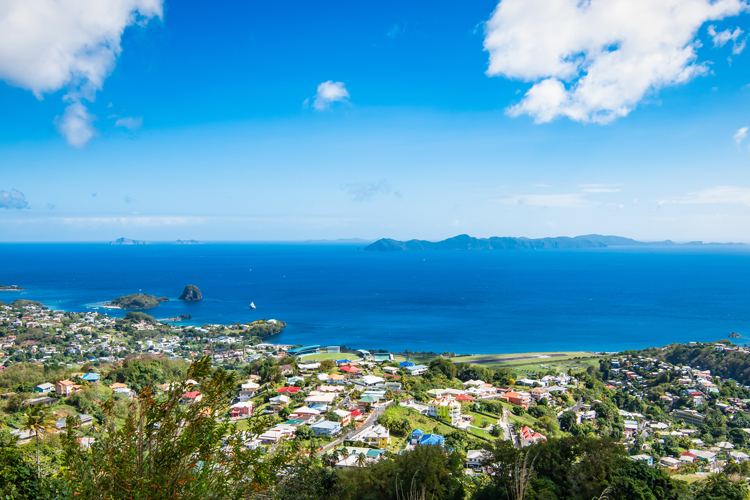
<point x="467" y="302"/>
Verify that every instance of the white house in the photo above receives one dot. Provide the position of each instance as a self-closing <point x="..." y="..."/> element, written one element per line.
<point x="416" y="370"/>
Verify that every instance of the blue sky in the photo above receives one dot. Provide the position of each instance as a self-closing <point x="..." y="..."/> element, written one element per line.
<point x="250" y="121"/>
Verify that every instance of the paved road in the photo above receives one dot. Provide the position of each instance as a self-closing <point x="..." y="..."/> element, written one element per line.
<point x="368" y="423"/>
<point x="513" y="435"/>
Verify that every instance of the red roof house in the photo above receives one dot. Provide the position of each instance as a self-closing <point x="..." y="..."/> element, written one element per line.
<point x="288" y="390"/>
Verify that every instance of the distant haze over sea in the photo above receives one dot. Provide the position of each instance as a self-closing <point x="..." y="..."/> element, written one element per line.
<point x="597" y="298"/>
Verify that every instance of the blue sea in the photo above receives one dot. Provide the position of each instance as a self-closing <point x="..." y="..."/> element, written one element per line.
<point x="502" y="301"/>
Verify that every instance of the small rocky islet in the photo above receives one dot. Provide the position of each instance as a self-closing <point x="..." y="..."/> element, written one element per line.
<point x="136" y="301"/>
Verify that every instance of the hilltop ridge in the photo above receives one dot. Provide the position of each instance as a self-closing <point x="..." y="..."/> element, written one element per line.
<point x="466" y="242"/>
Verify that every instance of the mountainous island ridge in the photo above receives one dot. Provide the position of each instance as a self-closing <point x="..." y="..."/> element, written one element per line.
<point x="466" y="242"/>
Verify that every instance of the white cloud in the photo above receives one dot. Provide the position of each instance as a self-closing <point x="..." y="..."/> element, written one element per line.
<point x="329" y="92"/>
<point x="47" y="45"/>
<point x="135" y="221"/>
<point x="563" y="200"/>
<point x="76" y="125"/>
<point x="129" y="122"/>
<point x="13" y="199"/>
<point x="595" y="60"/>
<point x="732" y="195"/>
<point x="740" y="135"/>
<point x="721" y="38"/>
<point x="600" y="190"/>
<point x="366" y="190"/>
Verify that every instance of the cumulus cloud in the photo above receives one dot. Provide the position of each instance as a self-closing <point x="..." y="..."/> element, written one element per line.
<point x="595" y="60"/>
<point x="366" y="190"/>
<point x="329" y="92"/>
<point x="76" y="125"/>
<point x="13" y="199"/>
<point x="129" y="122"/>
<point x="740" y="135"/>
<point x="732" y="195"/>
<point x="47" y="45"/>
<point x="721" y="38"/>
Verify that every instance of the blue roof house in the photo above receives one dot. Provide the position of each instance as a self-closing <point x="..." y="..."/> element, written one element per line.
<point x="91" y="377"/>
<point x="432" y="440"/>
<point x="326" y="428"/>
<point x="416" y="435"/>
<point x="405" y="364"/>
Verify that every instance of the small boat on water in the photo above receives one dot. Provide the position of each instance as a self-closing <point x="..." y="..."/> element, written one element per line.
<point x="252" y="305"/>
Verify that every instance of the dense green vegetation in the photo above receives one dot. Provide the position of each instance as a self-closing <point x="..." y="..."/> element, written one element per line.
<point x="139" y="316"/>
<point x="734" y="365"/>
<point x="25" y="302"/>
<point x="155" y="447"/>
<point x="136" y="301"/>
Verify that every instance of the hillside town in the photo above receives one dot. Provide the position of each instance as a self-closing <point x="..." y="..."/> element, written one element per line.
<point x="371" y="404"/>
<point x="358" y="407"/>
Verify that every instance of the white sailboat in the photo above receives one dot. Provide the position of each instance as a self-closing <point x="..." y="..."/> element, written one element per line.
<point x="252" y="305"/>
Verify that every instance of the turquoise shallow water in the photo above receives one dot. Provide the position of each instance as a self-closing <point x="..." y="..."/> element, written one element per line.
<point x="466" y="302"/>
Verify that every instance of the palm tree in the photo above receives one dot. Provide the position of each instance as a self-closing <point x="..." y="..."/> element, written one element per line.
<point x="334" y="457"/>
<point x="38" y="421"/>
<point x="313" y="446"/>
<point x="361" y="460"/>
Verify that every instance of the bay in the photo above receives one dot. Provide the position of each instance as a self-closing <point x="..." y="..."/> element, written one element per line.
<point x="504" y="301"/>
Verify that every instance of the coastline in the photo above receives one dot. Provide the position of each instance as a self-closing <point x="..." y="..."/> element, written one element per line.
<point x="480" y="302"/>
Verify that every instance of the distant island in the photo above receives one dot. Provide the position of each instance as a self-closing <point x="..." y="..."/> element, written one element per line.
<point x="136" y="301"/>
<point x="466" y="242"/>
<point x="191" y="292"/>
<point x="187" y="242"/>
<point x="128" y="241"/>
<point x="10" y="288"/>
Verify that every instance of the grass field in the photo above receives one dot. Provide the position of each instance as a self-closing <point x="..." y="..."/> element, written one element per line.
<point x="432" y="426"/>
<point x="689" y="478"/>
<point x="479" y="420"/>
<point x="535" y="361"/>
<point x="480" y="433"/>
<point x="415" y="358"/>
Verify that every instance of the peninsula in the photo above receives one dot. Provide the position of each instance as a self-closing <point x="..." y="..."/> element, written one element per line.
<point x="466" y="242"/>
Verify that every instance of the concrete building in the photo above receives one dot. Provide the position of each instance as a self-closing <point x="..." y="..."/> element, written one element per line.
<point x="445" y="409"/>
<point x="690" y="416"/>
